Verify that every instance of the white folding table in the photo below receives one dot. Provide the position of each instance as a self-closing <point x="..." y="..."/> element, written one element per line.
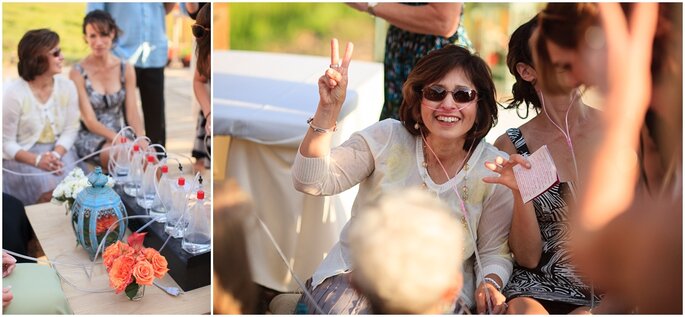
<point x="263" y="100"/>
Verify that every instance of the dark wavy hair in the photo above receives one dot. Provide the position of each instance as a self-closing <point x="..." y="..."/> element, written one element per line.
<point x="33" y="52"/>
<point x="204" y="45"/>
<point x="435" y="66"/>
<point x="102" y="22"/>
<point x="519" y="52"/>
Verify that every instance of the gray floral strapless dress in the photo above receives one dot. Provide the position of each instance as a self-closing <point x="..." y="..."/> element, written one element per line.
<point x="109" y="110"/>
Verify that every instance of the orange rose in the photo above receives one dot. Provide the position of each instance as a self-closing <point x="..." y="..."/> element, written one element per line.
<point x="144" y="273"/>
<point x="140" y="256"/>
<point x="120" y="273"/>
<point x="148" y="253"/>
<point x="114" y="251"/>
<point x="159" y="264"/>
<point x="111" y="252"/>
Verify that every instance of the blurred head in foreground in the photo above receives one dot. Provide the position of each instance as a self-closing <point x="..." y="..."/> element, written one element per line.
<point x="234" y="291"/>
<point x="407" y="254"/>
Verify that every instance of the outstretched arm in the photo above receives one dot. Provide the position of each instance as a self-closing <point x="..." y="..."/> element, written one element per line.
<point x="332" y="90"/>
<point x="433" y="19"/>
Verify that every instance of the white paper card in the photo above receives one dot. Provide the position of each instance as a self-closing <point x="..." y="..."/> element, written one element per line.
<point x="541" y="176"/>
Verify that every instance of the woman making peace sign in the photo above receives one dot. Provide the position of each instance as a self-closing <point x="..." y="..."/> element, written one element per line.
<point x="449" y="106"/>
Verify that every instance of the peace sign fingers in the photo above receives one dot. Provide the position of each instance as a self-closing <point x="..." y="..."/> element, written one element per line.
<point x="348" y="57"/>
<point x="335" y="56"/>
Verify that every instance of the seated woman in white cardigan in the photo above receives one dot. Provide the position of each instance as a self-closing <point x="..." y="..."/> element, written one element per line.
<point x="40" y="120"/>
<point x="449" y="106"/>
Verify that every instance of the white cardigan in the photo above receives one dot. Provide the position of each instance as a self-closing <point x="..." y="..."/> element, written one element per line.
<point x="23" y="119"/>
<point x="386" y="156"/>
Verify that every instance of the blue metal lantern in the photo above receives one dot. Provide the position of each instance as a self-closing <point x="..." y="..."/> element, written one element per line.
<point x="95" y="209"/>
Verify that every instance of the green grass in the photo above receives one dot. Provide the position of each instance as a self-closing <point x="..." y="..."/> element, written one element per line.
<point x="63" y="18"/>
<point x="303" y="28"/>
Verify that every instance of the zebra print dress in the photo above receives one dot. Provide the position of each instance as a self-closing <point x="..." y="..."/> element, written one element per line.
<point x="554" y="279"/>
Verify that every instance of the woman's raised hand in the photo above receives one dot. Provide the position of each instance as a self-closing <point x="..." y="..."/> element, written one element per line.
<point x="505" y="168"/>
<point x="333" y="84"/>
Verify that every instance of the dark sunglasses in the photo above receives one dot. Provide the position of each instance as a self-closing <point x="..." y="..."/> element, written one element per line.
<point x="437" y="93"/>
<point x="56" y="53"/>
<point x="199" y="31"/>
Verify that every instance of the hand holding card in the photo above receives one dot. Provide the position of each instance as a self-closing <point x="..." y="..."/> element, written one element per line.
<point x="540" y="177"/>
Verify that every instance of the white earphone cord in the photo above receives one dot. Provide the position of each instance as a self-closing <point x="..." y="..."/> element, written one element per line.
<point x="569" y="142"/>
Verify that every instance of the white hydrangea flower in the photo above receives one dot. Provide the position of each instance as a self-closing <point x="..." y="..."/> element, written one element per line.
<point x="59" y="191"/>
<point x="75" y="181"/>
<point x="77" y="173"/>
<point x="67" y="191"/>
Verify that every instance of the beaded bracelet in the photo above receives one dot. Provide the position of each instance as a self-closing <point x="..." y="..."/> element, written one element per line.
<point x="493" y="282"/>
<point x="322" y="130"/>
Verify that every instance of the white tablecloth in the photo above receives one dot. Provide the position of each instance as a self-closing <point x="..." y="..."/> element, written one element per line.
<point x="263" y="101"/>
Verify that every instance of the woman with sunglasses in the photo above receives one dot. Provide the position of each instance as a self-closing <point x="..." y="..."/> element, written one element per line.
<point x="201" y="84"/>
<point x="40" y="120"/>
<point x="544" y="280"/>
<point x="106" y="86"/>
<point x="449" y="106"/>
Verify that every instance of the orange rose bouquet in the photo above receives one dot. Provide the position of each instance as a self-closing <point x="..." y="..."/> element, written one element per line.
<point x="130" y="265"/>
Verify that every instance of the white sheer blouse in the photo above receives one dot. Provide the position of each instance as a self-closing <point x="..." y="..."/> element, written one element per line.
<point x="386" y="156"/>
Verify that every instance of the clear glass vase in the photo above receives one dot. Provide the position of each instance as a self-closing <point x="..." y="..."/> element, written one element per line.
<point x="139" y="295"/>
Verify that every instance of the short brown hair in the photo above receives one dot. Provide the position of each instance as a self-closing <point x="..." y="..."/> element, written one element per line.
<point x="32" y="50"/>
<point x="436" y="65"/>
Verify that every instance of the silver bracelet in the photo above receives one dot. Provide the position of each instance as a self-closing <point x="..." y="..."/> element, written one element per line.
<point x="322" y="130"/>
<point x="38" y="157"/>
<point x="493" y="282"/>
<point x="56" y="154"/>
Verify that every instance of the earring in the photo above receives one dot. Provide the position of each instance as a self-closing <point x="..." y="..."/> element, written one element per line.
<point x="416" y="126"/>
